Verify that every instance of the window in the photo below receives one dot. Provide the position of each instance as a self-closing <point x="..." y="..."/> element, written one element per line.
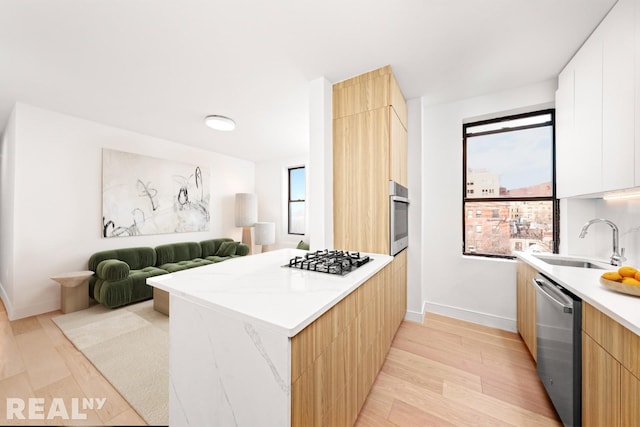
<point x="296" y="200"/>
<point x="509" y="171"/>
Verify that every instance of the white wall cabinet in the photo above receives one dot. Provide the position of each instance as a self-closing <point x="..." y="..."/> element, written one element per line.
<point x="564" y="133"/>
<point x="595" y="108"/>
<point x="618" y="97"/>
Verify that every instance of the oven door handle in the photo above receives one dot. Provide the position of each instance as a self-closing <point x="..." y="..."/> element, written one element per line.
<point x="554" y="294"/>
<point x="399" y="199"/>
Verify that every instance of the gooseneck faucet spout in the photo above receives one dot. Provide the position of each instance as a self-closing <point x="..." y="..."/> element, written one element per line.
<point x="618" y="254"/>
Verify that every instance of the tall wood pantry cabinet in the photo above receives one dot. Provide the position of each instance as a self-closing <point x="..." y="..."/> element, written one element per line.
<point x="369" y="149"/>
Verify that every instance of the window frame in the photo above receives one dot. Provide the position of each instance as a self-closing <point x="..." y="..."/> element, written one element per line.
<point x="553" y="198"/>
<point x="289" y="200"/>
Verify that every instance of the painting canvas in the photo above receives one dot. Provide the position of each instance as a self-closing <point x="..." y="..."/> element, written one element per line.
<point x="145" y="195"/>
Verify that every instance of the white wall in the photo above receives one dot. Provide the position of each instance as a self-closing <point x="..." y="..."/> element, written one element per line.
<point x="477" y="289"/>
<point x="320" y="172"/>
<point x="7" y="182"/>
<point x="415" y="182"/>
<point x="598" y="243"/>
<point x="271" y="189"/>
<point x="56" y="200"/>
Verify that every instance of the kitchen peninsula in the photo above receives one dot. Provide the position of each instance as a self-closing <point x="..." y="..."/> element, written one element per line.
<point x="256" y="343"/>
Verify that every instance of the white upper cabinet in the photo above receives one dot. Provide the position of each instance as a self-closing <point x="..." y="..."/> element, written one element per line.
<point x="595" y="110"/>
<point x="564" y="133"/>
<point x="618" y="97"/>
<point x="586" y="146"/>
<point x="579" y="122"/>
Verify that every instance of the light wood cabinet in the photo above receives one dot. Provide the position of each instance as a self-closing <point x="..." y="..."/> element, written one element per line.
<point x="398" y="149"/>
<point x="335" y="360"/>
<point x="600" y="385"/>
<point x="361" y="181"/>
<point x="610" y="371"/>
<point x="526" y="306"/>
<point x="369" y="149"/>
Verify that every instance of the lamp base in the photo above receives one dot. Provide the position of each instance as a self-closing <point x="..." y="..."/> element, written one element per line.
<point x="246" y="238"/>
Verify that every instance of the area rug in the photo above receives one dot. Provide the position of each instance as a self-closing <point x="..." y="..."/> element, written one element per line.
<point x="130" y="347"/>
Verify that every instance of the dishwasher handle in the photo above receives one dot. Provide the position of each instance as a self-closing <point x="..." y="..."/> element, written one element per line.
<point x="554" y="294"/>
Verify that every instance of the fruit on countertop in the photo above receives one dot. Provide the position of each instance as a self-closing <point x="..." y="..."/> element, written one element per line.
<point x="626" y="274"/>
<point x="612" y="275"/>
<point x="630" y="281"/>
<point x="626" y="271"/>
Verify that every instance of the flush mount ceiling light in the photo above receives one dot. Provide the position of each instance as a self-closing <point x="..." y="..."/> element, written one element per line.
<point x="219" y="122"/>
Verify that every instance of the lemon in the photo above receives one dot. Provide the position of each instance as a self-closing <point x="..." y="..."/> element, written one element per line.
<point x="627" y="271"/>
<point x="630" y="281"/>
<point x="612" y="275"/>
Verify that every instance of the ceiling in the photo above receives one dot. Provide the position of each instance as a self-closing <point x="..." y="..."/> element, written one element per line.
<point x="157" y="67"/>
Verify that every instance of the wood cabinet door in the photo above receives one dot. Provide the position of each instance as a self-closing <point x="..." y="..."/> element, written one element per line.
<point x="600" y="386"/>
<point x="629" y="398"/>
<point x="361" y="181"/>
<point x="526" y="306"/>
<point x="398" y="149"/>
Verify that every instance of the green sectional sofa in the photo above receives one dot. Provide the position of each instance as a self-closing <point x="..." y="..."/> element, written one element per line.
<point x="120" y="275"/>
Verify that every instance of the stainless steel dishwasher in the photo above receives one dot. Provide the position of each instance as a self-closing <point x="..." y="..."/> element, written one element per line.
<point x="558" y="327"/>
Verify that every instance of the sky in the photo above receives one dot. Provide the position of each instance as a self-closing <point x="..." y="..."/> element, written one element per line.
<point x="521" y="158"/>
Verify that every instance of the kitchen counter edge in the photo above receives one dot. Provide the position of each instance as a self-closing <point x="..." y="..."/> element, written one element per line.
<point x="585" y="284"/>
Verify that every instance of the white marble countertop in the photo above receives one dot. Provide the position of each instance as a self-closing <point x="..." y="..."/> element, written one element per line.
<point x="258" y="288"/>
<point x="585" y="283"/>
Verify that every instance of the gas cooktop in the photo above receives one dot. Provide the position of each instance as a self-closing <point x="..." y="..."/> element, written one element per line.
<point x="329" y="261"/>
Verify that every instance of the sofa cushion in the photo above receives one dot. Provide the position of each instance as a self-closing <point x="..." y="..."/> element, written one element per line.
<point x="112" y="269"/>
<point x="216" y="258"/>
<point x="210" y="247"/>
<point x="242" y="249"/>
<point x="226" y="249"/>
<point x="176" y="252"/>
<point x="172" y="267"/>
<point x="303" y="245"/>
<point x="136" y="258"/>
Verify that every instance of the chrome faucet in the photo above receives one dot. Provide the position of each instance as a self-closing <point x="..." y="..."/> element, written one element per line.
<point x="618" y="254"/>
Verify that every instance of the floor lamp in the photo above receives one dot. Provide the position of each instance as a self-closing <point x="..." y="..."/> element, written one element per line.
<point x="246" y="215"/>
<point x="265" y="234"/>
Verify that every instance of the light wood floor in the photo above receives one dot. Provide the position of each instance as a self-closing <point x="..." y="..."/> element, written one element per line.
<point x="444" y="372"/>
<point x="37" y="360"/>
<point x="447" y="372"/>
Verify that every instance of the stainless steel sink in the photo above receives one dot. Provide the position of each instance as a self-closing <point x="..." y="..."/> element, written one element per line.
<point x="566" y="262"/>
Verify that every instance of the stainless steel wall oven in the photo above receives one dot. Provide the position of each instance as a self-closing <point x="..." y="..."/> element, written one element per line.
<point x="398" y="217"/>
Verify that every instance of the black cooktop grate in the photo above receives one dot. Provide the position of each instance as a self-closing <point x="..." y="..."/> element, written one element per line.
<point x="329" y="261"/>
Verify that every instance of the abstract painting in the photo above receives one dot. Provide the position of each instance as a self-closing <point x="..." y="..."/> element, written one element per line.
<point x="145" y="195"/>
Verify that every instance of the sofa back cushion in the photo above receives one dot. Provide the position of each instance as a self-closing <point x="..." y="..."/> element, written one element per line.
<point x="137" y="258"/>
<point x="210" y="247"/>
<point x="176" y="252"/>
<point x="242" y="249"/>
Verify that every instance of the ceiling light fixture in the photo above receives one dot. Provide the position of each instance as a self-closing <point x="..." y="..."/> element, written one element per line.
<point x="219" y="122"/>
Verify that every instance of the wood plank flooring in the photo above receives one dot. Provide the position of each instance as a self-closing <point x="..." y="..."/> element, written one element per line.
<point x="447" y="372"/>
<point x="38" y="361"/>
<point x="443" y="372"/>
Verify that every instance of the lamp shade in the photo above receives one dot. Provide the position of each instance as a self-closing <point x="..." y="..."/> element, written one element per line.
<point x="246" y="209"/>
<point x="265" y="233"/>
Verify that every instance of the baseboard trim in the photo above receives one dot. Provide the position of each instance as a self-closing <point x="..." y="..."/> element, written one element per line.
<point x="472" y="316"/>
<point x="414" y="316"/>
<point x="7" y="304"/>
